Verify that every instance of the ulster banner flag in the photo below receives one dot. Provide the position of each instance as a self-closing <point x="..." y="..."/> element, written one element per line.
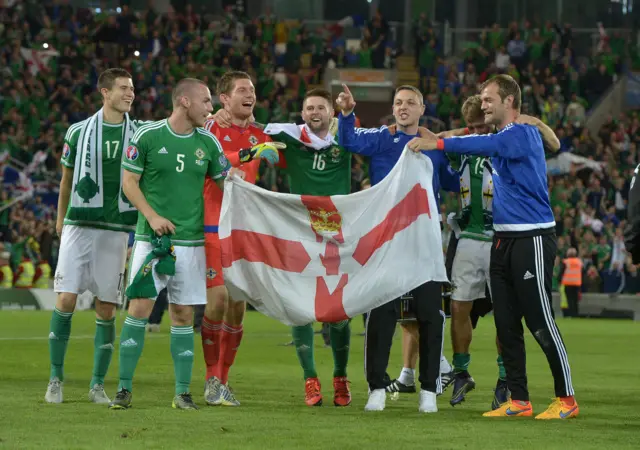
<point x="300" y="259"/>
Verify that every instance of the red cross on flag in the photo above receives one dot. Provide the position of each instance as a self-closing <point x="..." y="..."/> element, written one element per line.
<point x="300" y="259"/>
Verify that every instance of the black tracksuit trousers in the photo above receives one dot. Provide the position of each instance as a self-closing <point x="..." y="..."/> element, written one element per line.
<point x="381" y="324"/>
<point x="521" y="275"/>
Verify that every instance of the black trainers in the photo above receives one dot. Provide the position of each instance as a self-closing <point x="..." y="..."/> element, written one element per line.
<point x="445" y="380"/>
<point x="183" y="401"/>
<point x="122" y="400"/>
<point x="397" y="386"/>
<point x="462" y="383"/>
<point x="500" y="395"/>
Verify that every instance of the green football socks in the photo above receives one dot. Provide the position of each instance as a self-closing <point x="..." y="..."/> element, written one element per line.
<point x="502" y="373"/>
<point x="131" y="344"/>
<point x="102" y="349"/>
<point x="182" y="354"/>
<point x="461" y="362"/>
<point x="59" y="332"/>
<point x="303" y="340"/>
<point x="340" y="334"/>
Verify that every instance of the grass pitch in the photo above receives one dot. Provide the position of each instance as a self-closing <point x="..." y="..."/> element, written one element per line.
<point x="268" y="382"/>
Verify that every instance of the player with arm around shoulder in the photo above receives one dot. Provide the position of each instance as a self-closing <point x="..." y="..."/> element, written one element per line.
<point x="243" y="144"/>
<point x="165" y="169"/>
<point x="94" y="218"/>
<point x="524" y="246"/>
<point x="315" y="166"/>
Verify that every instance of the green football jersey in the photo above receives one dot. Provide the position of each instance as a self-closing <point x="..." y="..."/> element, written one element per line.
<point x="173" y="168"/>
<point x="472" y="220"/>
<point x="475" y="227"/>
<point x="316" y="172"/>
<point x="108" y="216"/>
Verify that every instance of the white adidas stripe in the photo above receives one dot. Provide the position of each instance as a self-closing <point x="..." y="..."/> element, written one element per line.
<point x="147" y="127"/>
<point x="439" y="389"/>
<point x="546" y="309"/>
<point x="73" y="128"/>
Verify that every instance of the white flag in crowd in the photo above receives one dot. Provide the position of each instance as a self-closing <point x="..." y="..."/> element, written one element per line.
<point x="37" y="60"/>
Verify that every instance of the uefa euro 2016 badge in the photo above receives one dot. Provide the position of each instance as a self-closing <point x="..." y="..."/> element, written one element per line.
<point x="253" y="140"/>
<point x="132" y="153"/>
<point x="199" y="155"/>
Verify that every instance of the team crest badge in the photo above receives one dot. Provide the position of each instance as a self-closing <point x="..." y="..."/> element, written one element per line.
<point x="253" y="140"/>
<point x="335" y="154"/>
<point x="66" y="150"/>
<point x="132" y="153"/>
<point x="199" y="153"/>
<point x="211" y="274"/>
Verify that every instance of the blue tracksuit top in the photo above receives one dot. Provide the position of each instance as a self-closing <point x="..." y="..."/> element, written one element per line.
<point x="520" y="193"/>
<point x="385" y="150"/>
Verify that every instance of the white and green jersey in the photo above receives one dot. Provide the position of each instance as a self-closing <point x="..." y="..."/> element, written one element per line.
<point x="475" y="218"/>
<point x="173" y="168"/>
<point x="108" y="215"/>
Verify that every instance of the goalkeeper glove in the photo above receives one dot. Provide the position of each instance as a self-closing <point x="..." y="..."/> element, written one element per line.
<point x="267" y="151"/>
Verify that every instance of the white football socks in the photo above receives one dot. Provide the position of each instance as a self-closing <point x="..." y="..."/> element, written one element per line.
<point x="445" y="367"/>
<point x="407" y="376"/>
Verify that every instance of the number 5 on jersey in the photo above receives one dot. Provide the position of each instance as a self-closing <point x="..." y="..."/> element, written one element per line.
<point x="180" y="166"/>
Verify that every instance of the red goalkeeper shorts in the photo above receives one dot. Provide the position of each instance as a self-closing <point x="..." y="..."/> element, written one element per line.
<point x="214" y="260"/>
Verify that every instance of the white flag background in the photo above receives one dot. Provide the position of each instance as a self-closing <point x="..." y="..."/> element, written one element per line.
<point x="300" y="259"/>
<point x="37" y="60"/>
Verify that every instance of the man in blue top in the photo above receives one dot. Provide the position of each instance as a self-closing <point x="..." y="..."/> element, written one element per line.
<point x="524" y="245"/>
<point x="384" y="150"/>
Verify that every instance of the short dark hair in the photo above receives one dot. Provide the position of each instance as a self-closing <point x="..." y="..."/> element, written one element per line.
<point x="319" y="92"/>
<point x="506" y="86"/>
<point x="183" y="86"/>
<point x="227" y="82"/>
<point x="108" y="77"/>
<point x="472" y="108"/>
<point x="408" y="87"/>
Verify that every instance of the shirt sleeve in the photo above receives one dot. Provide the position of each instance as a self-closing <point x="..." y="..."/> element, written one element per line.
<point x="364" y="141"/>
<point x="70" y="146"/>
<point x="449" y="178"/>
<point x="510" y="143"/>
<point x="632" y="230"/>
<point x="219" y="165"/>
<point x="136" y="154"/>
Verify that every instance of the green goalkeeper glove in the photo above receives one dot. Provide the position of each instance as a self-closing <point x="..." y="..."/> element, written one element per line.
<point x="267" y="151"/>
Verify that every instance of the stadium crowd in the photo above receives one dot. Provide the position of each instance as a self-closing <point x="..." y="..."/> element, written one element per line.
<point x="41" y="96"/>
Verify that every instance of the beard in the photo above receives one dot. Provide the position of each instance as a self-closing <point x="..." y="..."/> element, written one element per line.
<point x="318" y="127"/>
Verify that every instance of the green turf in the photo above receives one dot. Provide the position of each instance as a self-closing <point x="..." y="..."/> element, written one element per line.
<point x="268" y="382"/>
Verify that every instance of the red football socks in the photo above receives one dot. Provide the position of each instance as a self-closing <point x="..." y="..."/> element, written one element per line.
<point x="231" y="337"/>
<point x="211" y="333"/>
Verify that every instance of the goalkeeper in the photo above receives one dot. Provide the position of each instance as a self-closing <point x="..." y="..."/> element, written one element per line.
<point x="244" y="146"/>
<point x="317" y="166"/>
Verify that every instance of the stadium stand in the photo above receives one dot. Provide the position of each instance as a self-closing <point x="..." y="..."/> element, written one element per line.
<point x="51" y="54"/>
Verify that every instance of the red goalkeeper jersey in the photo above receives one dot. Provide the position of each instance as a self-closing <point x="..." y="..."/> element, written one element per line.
<point x="232" y="139"/>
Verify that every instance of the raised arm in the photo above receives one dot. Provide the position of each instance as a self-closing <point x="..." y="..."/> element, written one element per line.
<point x="508" y="143"/>
<point x="364" y="141"/>
<point x="548" y="135"/>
